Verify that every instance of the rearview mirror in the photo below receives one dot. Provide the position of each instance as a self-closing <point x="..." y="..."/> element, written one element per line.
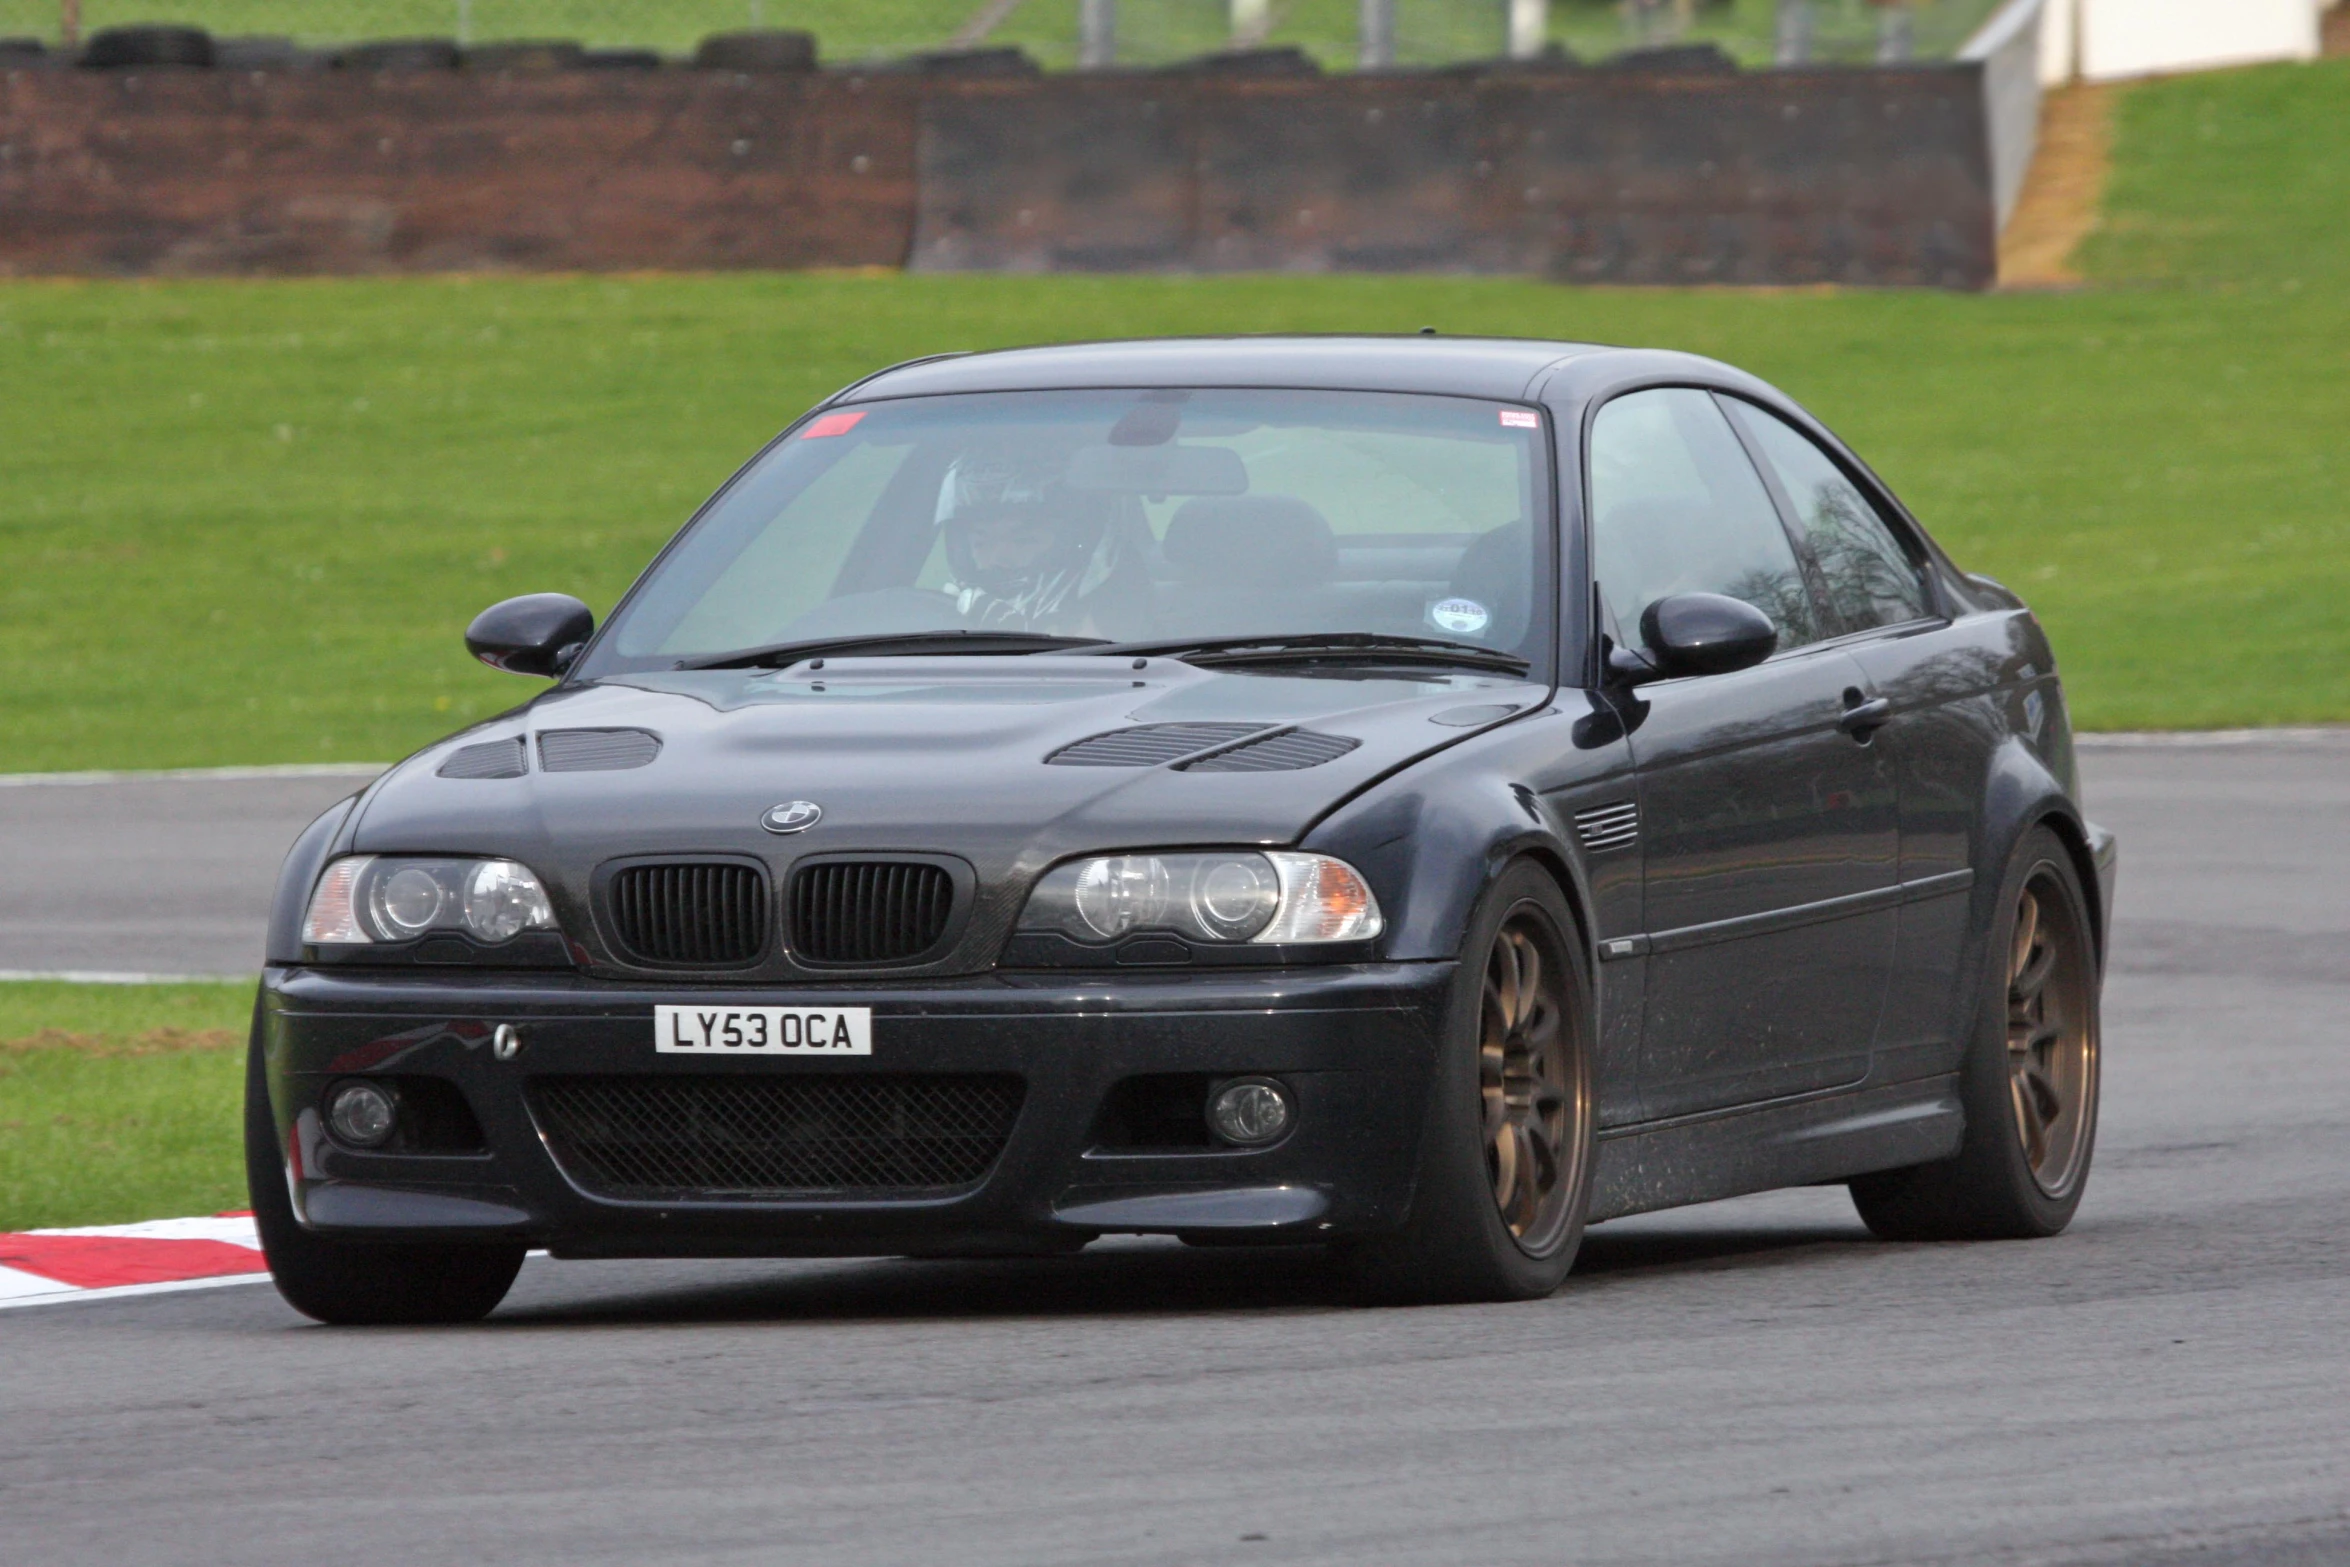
<point x="1706" y="634"/>
<point x="1158" y="470"/>
<point x="536" y="634"/>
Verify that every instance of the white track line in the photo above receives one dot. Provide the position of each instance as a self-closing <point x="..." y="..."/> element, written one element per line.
<point x="103" y="976"/>
<point x="2125" y="739"/>
<point x="361" y="770"/>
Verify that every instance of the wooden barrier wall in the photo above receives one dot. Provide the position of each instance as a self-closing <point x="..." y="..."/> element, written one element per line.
<point x="1869" y="177"/>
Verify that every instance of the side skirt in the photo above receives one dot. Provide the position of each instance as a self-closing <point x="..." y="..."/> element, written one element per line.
<point x="1789" y="1142"/>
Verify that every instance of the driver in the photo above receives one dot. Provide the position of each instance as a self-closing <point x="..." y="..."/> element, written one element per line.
<point x="1026" y="553"/>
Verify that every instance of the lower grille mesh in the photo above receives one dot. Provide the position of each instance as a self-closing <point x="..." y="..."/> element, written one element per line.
<point x="754" y="1137"/>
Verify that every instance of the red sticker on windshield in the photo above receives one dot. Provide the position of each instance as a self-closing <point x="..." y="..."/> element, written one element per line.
<point x="832" y="424"/>
<point x="1520" y="419"/>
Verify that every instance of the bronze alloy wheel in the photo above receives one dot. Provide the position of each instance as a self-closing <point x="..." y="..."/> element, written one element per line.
<point x="1533" y="1119"/>
<point x="2051" y="1034"/>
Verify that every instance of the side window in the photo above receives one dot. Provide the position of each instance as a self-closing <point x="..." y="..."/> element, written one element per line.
<point x="1677" y="508"/>
<point x="1870" y="578"/>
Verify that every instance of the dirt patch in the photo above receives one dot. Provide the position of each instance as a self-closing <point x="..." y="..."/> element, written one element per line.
<point x="2333" y="31"/>
<point x="2064" y="190"/>
<point x="156" y="1042"/>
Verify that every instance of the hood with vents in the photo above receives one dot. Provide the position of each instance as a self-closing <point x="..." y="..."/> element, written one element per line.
<point x="1000" y="761"/>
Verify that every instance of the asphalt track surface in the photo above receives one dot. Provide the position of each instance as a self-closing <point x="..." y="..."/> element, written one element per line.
<point x="153" y="875"/>
<point x="1754" y="1382"/>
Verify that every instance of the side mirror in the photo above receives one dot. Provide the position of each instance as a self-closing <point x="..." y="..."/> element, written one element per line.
<point x="1706" y="634"/>
<point x="536" y="634"/>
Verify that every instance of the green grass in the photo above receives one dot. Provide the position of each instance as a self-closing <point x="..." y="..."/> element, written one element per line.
<point x="247" y="522"/>
<point x="120" y="1102"/>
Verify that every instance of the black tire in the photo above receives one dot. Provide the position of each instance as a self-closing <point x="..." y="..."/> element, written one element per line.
<point x="358" y="1282"/>
<point x="125" y="48"/>
<point x="402" y="54"/>
<point x="527" y="55"/>
<point x="776" y="50"/>
<point x="1464" y="1239"/>
<point x="2031" y="1117"/>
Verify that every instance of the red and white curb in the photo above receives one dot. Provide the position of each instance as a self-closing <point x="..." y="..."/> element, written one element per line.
<point x="43" y="1267"/>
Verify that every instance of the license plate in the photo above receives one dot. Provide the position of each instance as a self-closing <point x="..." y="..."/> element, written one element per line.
<point x="763" y="1031"/>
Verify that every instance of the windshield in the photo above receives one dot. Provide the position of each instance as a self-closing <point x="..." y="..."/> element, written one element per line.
<point x="1128" y="516"/>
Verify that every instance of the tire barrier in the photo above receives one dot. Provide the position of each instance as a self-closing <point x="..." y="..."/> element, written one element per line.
<point x="415" y="155"/>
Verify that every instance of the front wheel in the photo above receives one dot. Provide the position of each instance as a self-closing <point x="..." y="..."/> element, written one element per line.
<point x="354" y="1282"/>
<point x="1506" y="1156"/>
<point x="2029" y="1081"/>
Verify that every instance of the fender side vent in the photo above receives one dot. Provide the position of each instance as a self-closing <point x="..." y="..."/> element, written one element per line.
<point x="595" y="750"/>
<point x="490" y="759"/>
<point x="1605" y="827"/>
<point x="1147" y="745"/>
<point x="1281" y="753"/>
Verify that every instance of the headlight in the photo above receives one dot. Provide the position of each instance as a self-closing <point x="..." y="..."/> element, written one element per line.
<point x="366" y="899"/>
<point x="1225" y="896"/>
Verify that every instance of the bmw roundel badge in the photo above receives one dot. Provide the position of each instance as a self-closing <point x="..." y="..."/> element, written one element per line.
<point x="792" y="816"/>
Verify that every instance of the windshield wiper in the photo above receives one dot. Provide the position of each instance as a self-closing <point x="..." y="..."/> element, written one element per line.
<point x="902" y="644"/>
<point x="1354" y="646"/>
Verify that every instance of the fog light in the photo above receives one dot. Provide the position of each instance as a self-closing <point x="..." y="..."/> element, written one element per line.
<point x="1250" y="1112"/>
<point x="362" y="1114"/>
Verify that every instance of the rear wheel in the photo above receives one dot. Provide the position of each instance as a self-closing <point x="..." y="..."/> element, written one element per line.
<point x="354" y="1282"/>
<point x="1505" y="1161"/>
<point x="2029" y="1082"/>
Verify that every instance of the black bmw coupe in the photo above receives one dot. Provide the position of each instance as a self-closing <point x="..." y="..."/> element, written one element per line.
<point x="1412" y="797"/>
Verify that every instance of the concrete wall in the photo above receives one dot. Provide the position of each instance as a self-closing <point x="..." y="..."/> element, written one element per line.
<point x="1872" y="177"/>
<point x="2120" y="38"/>
<point x="2012" y="49"/>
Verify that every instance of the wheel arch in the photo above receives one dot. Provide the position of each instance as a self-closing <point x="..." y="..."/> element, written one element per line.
<point x="2073" y="832"/>
<point x="2023" y="792"/>
<point x="1432" y="854"/>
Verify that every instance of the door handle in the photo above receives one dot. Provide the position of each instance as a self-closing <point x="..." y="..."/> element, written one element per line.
<point x="1863" y="719"/>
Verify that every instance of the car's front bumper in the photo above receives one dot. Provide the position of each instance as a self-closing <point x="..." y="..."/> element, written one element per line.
<point x="1354" y="1045"/>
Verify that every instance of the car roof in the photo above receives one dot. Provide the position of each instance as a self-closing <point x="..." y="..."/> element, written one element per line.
<point x="1496" y="367"/>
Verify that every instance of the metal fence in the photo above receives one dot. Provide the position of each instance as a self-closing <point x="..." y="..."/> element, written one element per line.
<point x="1064" y="34"/>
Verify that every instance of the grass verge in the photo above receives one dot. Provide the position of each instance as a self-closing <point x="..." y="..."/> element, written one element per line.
<point x="120" y="1102"/>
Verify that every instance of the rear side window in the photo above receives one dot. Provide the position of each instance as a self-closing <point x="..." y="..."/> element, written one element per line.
<point x="1870" y="579"/>
<point x="1677" y="508"/>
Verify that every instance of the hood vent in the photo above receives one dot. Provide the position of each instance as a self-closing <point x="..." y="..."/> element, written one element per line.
<point x="1608" y="826"/>
<point x="1278" y="753"/>
<point x="1148" y="745"/>
<point x="596" y="750"/>
<point x="490" y="759"/>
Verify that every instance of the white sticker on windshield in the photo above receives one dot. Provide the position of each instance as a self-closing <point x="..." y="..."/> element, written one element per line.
<point x="1520" y="419"/>
<point x="1461" y="617"/>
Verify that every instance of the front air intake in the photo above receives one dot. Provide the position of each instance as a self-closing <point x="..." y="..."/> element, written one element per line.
<point x="697" y="915"/>
<point x="753" y="1136"/>
<point x="861" y="912"/>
